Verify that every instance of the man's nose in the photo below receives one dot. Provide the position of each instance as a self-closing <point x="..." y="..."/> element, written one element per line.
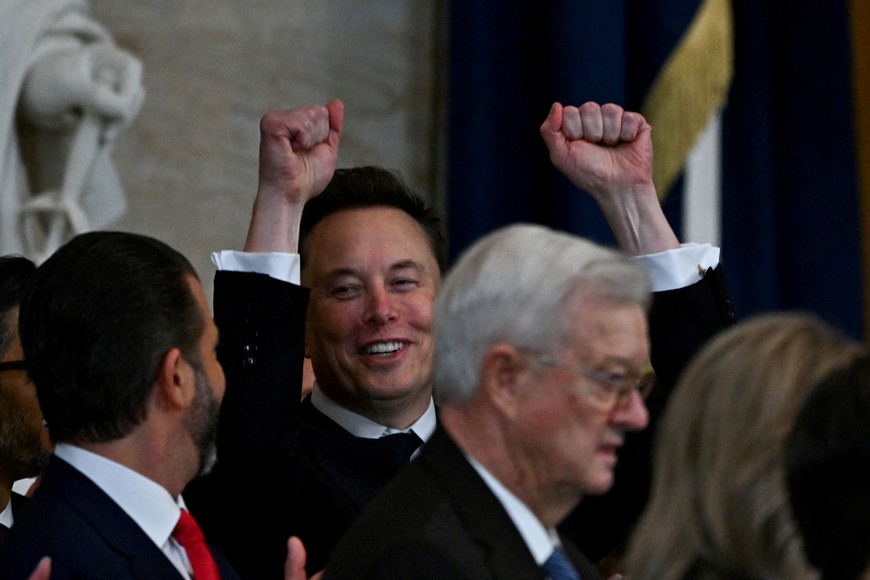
<point x="633" y="416"/>
<point x="381" y="306"/>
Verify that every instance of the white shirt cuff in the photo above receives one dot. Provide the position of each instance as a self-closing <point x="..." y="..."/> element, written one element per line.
<point x="278" y="265"/>
<point x="673" y="269"/>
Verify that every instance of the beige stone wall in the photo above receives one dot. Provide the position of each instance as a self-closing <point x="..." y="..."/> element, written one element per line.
<point x="212" y="67"/>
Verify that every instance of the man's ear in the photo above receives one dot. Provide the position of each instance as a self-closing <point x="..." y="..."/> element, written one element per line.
<point x="504" y="376"/>
<point x="173" y="379"/>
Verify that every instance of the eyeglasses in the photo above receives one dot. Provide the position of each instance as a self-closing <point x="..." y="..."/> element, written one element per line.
<point x="619" y="388"/>
<point x="13" y="365"/>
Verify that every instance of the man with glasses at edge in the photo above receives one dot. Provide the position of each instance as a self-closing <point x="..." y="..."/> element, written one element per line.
<point x="24" y="442"/>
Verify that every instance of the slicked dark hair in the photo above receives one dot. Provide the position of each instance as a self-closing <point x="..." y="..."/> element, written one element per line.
<point x="368" y="187"/>
<point x="15" y="273"/>
<point x="96" y="324"/>
<point x="827" y="465"/>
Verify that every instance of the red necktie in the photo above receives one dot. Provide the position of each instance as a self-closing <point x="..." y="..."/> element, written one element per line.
<point x="188" y="534"/>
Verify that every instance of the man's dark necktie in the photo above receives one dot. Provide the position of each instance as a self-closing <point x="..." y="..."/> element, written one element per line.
<point x="400" y="446"/>
<point x="559" y="567"/>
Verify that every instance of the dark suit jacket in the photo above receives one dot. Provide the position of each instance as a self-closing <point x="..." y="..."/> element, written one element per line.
<point x="19" y="502"/>
<point x="309" y="476"/>
<point x="438" y="519"/>
<point x="283" y="467"/>
<point x="86" y="534"/>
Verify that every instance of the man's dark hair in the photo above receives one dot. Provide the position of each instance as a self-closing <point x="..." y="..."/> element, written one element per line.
<point x="827" y="464"/>
<point x="96" y="324"/>
<point x="15" y="273"/>
<point x="367" y="187"/>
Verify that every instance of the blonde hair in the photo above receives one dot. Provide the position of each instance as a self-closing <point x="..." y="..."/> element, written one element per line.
<point x="718" y="502"/>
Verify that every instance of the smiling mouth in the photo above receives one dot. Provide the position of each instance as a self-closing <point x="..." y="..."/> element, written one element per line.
<point x="383" y="349"/>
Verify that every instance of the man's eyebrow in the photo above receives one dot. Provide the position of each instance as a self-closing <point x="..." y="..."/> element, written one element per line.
<point x="342" y="271"/>
<point x="618" y="360"/>
<point x="351" y="271"/>
<point x="408" y="264"/>
<point x="626" y="365"/>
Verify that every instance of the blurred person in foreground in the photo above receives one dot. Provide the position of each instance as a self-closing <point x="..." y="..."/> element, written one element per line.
<point x="719" y="508"/>
<point x="827" y="464"/>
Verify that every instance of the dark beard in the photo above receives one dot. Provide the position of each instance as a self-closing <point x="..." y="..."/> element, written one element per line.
<point x="202" y="422"/>
<point x="21" y="451"/>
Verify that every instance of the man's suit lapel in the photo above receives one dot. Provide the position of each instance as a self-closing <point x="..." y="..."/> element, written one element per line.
<point x="119" y="532"/>
<point x="584" y="565"/>
<point x="507" y="553"/>
<point x="19" y="503"/>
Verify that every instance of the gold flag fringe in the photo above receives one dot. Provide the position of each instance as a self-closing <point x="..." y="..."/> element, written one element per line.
<point x="689" y="89"/>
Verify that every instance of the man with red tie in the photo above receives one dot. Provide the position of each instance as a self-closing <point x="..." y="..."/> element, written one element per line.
<point x="120" y="344"/>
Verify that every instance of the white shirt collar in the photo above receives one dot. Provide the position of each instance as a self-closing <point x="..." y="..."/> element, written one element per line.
<point x="540" y="540"/>
<point x="360" y="426"/>
<point x="145" y="501"/>
<point x="6" y="515"/>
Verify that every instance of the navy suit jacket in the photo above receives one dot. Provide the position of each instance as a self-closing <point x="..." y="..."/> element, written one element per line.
<point x="19" y="502"/>
<point x="86" y="534"/>
<point x="438" y="519"/>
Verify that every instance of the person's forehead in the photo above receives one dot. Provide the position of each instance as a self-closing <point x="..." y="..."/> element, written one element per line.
<point x="607" y="329"/>
<point x="357" y="230"/>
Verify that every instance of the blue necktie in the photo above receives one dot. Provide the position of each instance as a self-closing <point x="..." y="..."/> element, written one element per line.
<point x="559" y="567"/>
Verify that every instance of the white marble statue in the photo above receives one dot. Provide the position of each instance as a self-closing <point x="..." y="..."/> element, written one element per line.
<point x="66" y="92"/>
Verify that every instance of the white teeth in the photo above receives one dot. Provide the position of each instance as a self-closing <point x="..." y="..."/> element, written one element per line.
<point x="384" y="348"/>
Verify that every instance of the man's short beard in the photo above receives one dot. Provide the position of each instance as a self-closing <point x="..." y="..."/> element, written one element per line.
<point x="22" y="453"/>
<point x="202" y="422"/>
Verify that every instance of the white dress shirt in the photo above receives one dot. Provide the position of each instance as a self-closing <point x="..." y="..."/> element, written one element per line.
<point x="6" y="518"/>
<point x="540" y="540"/>
<point x="360" y="426"/>
<point x="145" y="501"/>
<point x="668" y="270"/>
<point x="681" y="267"/>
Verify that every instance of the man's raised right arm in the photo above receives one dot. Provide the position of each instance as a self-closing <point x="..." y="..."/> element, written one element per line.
<point x="298" y="153"/>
